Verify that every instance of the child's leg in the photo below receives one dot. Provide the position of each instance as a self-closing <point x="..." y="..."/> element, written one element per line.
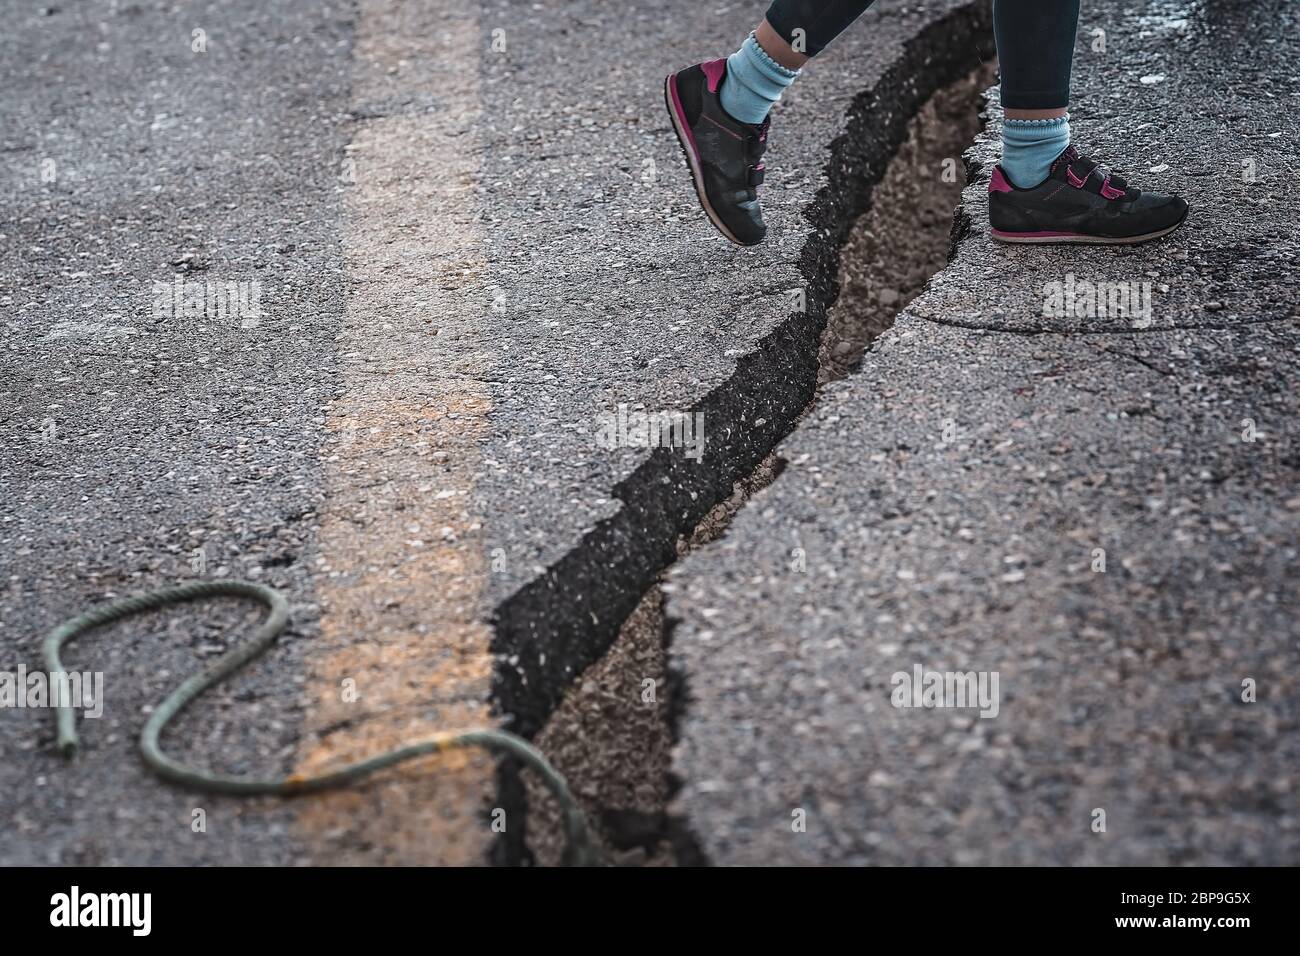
<point x="807" y="26"/>
<point x="769" y="59"/>
<point x="1033" y="197"/>
<point x="1035" y="51"/>
<point x="719" y="107"/>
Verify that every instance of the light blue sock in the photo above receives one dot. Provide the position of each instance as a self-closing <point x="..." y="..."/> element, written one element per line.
<point x="1030" y="146"/>
<point x="754" y="82"/>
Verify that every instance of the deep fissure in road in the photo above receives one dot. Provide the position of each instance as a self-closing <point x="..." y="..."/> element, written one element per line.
<point x="580" y="646"/>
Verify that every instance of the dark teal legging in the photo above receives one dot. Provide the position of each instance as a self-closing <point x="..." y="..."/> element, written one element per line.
<point x="1035" y="41"/>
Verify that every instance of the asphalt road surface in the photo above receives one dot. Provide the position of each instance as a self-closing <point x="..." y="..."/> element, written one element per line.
<point x="1098" y="509"/>
<point x="337" y="296"/>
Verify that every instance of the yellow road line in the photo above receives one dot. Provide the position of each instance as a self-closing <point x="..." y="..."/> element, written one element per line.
<point x="399" y="558"/>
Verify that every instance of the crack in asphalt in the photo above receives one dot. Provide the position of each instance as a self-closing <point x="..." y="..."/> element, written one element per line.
<point x="1119" y="330"/>
<point x="554" y="628"/>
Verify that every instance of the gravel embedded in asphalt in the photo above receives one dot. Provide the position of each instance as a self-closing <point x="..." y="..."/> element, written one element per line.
<point x="951" y="504"/>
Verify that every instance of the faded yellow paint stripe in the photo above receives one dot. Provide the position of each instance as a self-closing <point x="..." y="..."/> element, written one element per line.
<point x="399" y="563"/>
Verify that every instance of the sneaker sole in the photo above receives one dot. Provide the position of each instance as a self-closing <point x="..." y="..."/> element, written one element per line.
<point x="1079" y="238"/>
<point x="687" y="142"/>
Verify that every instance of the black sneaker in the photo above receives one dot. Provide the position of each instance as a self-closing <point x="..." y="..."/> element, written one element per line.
<point x="725" y="155"/>
<point x="1080" y="202"/>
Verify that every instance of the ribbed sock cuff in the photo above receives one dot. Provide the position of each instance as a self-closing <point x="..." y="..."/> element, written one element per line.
<point x="1029" y="147"/>
<point x="754" y="82"/>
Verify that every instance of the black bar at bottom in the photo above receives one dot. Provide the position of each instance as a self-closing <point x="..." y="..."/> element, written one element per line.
<point x="333" y="906"/>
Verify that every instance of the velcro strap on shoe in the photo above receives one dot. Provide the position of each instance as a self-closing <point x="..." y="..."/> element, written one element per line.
<point x="1112" y="187"/>
<point x="756" y="174"/>
<point x="1079" y="171"/>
